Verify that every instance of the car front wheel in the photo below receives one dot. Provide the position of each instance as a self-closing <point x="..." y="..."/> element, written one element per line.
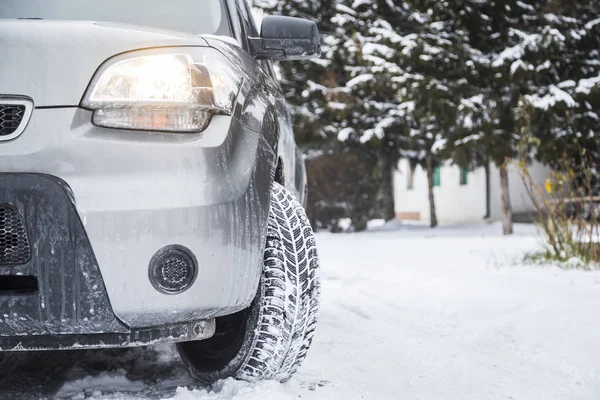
<point x="269" y="339"/>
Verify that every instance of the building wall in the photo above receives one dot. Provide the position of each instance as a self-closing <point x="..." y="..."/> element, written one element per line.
<point x="456" y="202"/>
<point x="519" y="198"/>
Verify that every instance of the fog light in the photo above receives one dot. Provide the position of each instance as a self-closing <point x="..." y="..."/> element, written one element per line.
<point x="173" y="270"/>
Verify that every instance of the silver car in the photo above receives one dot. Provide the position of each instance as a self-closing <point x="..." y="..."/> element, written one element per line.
<point x="150" y="185"/>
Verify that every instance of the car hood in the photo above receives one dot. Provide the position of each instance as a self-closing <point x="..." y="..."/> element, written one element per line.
<point x="53" y="62"/>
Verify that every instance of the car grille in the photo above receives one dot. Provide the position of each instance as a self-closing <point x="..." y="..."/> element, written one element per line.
<point x="11" y="116"/>
<point x="14" y="243"/>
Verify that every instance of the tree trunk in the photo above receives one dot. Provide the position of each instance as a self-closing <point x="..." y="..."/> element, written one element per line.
<point x="507" y="225"/>
<point x="387" y="188"/>
<point x="432" y="213"/>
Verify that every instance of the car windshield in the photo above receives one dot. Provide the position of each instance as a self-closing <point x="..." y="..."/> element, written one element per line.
<point x="190" y="16"/>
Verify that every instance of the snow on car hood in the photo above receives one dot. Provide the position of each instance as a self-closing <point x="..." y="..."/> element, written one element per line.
<point x="53" y="61"/>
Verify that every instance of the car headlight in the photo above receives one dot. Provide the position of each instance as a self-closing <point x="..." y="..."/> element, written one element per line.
<point x="172" y="91"/>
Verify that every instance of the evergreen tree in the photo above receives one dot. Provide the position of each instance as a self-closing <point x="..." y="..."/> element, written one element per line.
<point x="347" y="98"/>
<point x="429" y="83"/>
<point x="565" y="94"/>
<point x="541" y="54"/>
<point x="376" y="128"/>
<point x="500" y="33"/>
<point x="452" y="79"/>
<point x="332" y="97"/>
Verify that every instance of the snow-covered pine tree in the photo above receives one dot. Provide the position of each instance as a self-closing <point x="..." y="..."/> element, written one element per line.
<point x="349" y="95"/>
<point x="360" y="100"/>
<point x="390" y="82"/>
<point x="500" y="33"/>
<point x="565" y="99"/>
<point x="341" y="100"/>
<point x="381" y="34"/>
<point x="428" y="80"/>
<point x="541" y="54"/>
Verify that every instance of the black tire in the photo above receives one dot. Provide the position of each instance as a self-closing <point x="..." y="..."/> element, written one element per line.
<point x="270" y="339"/>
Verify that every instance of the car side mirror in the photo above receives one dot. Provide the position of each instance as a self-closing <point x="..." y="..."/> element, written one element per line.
<point x="286" y="38"/>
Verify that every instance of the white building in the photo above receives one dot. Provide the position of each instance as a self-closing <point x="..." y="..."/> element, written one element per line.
<point x="461" y="195"/>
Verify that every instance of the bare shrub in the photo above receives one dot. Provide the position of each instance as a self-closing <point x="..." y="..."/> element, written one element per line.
<point x="567" y="213"/>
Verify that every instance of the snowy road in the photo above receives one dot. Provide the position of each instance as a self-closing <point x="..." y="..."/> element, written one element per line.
<point x="405" y="315"/>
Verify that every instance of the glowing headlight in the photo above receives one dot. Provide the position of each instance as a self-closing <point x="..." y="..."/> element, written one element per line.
<point x="174" y="92"/>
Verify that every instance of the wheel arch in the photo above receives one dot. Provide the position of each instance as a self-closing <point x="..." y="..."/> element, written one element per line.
<point x="280" y="171"/>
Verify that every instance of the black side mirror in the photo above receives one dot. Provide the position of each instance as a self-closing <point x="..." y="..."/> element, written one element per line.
<point x="286" y="38"/>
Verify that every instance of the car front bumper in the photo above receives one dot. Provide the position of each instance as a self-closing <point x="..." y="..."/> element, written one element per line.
<point x="117" y="198"/>
<point x="183" y="332"/>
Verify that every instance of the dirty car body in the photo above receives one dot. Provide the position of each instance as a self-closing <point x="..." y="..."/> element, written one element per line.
<point x="132" y="214"/>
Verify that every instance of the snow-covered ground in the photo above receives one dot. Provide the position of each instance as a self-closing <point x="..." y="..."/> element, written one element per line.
<point x="407" y="313"/>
